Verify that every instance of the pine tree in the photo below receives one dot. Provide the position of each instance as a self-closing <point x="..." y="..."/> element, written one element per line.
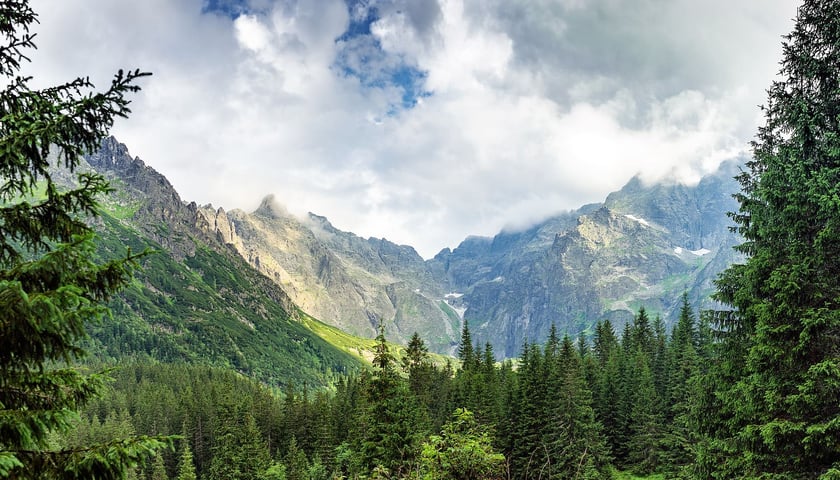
<point x="572" y="435"/>
<point x="50" y="287"/>
<point x="158" y="469"/>
<point x="646" y="423"/>
<point x="394" y="421"/>
<point x="782" y="382"/>
<point x="527" y="450"/>
<point x="466" y="351"/>
<point x="186" y="466"/>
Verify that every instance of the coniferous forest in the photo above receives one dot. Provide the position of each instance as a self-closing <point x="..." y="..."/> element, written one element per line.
<point x="749" y="390"/>
<point x="566" y="409"/>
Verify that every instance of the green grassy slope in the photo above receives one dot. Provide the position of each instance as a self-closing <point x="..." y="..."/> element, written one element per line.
<point x="209" y="308"/>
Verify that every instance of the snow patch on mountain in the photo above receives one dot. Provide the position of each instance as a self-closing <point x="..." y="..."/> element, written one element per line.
<point x="696" y="253"/>
<point x="638" y="219"/>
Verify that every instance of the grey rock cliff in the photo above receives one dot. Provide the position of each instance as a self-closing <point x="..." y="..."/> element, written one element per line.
<point x="645" y="245"/>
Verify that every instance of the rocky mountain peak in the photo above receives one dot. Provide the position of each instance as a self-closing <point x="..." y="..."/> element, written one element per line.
<point x="113" y="156"/>
<point x="270" y="207"/>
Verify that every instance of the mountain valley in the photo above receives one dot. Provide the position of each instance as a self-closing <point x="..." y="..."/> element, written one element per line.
<point x="643" y="246"/>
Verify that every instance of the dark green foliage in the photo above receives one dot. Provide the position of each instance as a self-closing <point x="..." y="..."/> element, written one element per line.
<point x="553" y="429"/>
<point x="778" y="380"/>
<point x="196" y="402"/>
<point x="646" y="423"/>
<point x="239" y="452"/>
<point x="50" y="285"/>
<point x="549" y="422"/>
<point x="466" y="350"/>
<point x="684" y="369"/>
<point x="297" y="466"/>
<point x="395" y="424"/>
<point x="576" y="446"/>
<point x="525" y="447"/>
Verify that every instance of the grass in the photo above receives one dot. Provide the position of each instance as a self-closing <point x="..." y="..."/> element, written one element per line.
<point x="360" y="347"/>
<point x="620" y="475"/>
<point x="344" y="341"/>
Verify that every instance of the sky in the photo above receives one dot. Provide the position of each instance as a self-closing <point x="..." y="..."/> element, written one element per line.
<point x="424" y="121"/>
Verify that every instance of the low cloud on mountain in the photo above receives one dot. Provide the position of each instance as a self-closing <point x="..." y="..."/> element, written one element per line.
<point x="424" y="121"/>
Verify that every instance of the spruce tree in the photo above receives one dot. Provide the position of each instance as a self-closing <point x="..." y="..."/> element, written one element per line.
<point x="50" y="285"/>
<point x="644" y="446"/>
<point x="239" y="452"/>
<point x="466" y="352"/>
<point x="416" y="354"/>
<point x="526" y="449"/>
<point x="782" y="382"/>
<point x="186" y="467"/>
<point x="158" y="469"/>
<point x="394" y="421"/>
<point x="684" y="368"/>
<point x="572" y="435"/>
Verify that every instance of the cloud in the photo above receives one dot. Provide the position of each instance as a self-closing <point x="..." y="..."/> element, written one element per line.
<point x="425" y="121"/>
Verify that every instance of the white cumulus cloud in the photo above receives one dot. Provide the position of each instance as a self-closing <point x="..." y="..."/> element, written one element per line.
<point x="530" y="107"/>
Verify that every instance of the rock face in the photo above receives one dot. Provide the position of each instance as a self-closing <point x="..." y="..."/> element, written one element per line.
<point x="160" y="212"/>
<point x="348" y="281"/>
<point x="194" y="298"/>
<point x="644" y="245"/>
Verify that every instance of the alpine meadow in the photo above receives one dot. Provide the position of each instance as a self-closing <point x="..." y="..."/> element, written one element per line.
<point x="686" y="326"/>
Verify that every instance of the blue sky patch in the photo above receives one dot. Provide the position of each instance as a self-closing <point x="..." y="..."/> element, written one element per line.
<point x="361" y="56"/>
<point x="360" y="53"/>
<point x="228" y="8"/>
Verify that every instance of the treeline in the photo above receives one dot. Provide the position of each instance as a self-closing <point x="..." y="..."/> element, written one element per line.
<point x="566" y="409"/>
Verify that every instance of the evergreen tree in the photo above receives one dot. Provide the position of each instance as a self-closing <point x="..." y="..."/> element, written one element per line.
<point x="683" y="368"/>
<point x="394" y="421"/>
<point x="608" y="402"/>
<point x="642" y="335"/>
<point x="489" y="404"/>
<point x="416" y="353"/>
<point x="297" y="466"/>
<point x="527" y="450"/>
<point x="186" y="467"/>
<point x="50" y="286"/>
<point x="239" y="452"/>
<point x="572" y="435"/>
<point x="685" y="332"/>
<point x="158" y="469"/>
<point x="624" y="369"/>
<point x="466" y="351"/>
<point x="659" y="362"/>
<point x="605" y="341"/>
<point x="644" y="447"/>
<point x="780" y="388"/>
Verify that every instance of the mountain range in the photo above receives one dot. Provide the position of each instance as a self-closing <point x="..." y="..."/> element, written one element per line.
<point x="645" y="245"/>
